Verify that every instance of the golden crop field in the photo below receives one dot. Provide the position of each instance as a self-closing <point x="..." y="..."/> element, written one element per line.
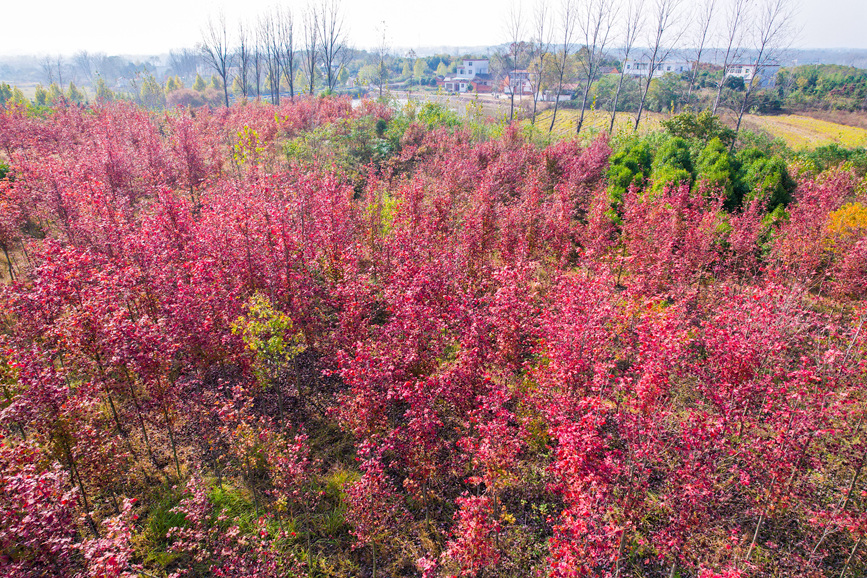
<point x="803" y="132"/>
<point x="595" y="121"/>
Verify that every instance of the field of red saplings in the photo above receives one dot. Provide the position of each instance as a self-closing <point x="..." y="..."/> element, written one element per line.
<point x="319" y="340"/>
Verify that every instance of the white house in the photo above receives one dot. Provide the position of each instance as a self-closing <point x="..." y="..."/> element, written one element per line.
<point x="473" y="74"/>
<point x="641" y="67"/>
<point x="472" y="67"/>
<point x="766" y="74"/>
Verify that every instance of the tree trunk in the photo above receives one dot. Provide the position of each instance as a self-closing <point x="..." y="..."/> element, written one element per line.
<point x="512" y="103"/>
<point x="8" y="262"/>
<point x="741" y="115"/>
<point x="849" y="559"/>
<point x="692" y="79"/>
<point x="583" y="107"/>
<point x="616" y="98"/>
<point x="74" y="475"/>
<point x="556" y="102"/>
<point x="643" y="99"/>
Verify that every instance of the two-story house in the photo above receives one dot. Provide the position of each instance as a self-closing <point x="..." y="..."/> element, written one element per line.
<point x="765" y="75"/>
<point x="473" y="74"/>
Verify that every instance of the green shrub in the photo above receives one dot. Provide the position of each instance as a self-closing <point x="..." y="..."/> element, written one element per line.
<point x="717" y="169"/>
<point x="629" y="166"/>
<point x="703" y="126"/>
<point x="435" y="115"/>
<point x="672" y="164"/>
<point x="767" y="178"/>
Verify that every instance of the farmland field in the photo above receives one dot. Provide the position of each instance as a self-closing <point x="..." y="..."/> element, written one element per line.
<point x="803" y="132"/>
<point x="798" y="132"/>
<point x="596" y="121"/>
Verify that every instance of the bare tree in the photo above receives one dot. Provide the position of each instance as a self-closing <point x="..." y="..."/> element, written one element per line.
<point x="243" y="58"/>
<point x="267" y="32"/>
<point x="382" y="52"/>
<point x="594" y="22"/>
<point x="568" y="16"/>
<point x="703" y="19"/>
<point x="310" y="25"/>
<point x="738" y="12"/>
<point x="332" y="40"/>
<point x="215" y="50"/>
<point x="184" y="62"/>
<point x="771" y="36"/>
<point x="514" y="32"/>
<point x="285" y="28"/>
<point x="52" y="67"/>
<point x="47" y="69"/>
<point x="259" y="52"/>
<point x="539" y="50"/>
<point x="84" y="64"/>
<point x="661" y="44"/>
<point x="632" y="26"/>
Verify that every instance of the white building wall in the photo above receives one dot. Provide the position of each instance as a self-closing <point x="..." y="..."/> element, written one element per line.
<point x="641" y="67"/>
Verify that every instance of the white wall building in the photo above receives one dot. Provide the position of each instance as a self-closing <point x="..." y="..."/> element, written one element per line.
<point x="641" y="67"/>
<point x="472" y="74"/>
<point x="766" y="74"/>
<point x="472" y="67"/>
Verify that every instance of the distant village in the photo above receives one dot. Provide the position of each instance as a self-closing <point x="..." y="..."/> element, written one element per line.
<point x="473" y="75"/>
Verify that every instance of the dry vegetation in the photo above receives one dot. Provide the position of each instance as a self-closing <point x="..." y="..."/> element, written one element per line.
<point x="803" y="132"/>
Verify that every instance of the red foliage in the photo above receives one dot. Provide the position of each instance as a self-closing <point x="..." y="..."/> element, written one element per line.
<point x="525" y="382"/>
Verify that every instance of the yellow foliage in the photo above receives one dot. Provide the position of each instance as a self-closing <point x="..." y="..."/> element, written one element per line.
<point x="248" y="148"/>
<point x="846" y="224"/>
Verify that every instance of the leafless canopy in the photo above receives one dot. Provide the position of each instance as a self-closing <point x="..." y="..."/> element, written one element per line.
<point x="184" y="62"/>
<point x="514" y="25"/>
<point x="382" y="55"/>
<point x="663" y="37"/>
<point x="332" y="40"/>
<point x="595" y="21"/>
<point x="632" y="25"/>
<point x="736" y="16"/>
<point x="567" y="17"/>
<point x="244" y="59"/>
<point x="703" y="18"/>
<point x="215" y="50"/>
<point x="53" y="68"/>
<point x="540" y="47"/>
<point x="310" y="53"/>
<point x="772" y="35"/>
<point x="259" y="55"/>
<point x="84" y="66"/>
<point x="285" y="46"/>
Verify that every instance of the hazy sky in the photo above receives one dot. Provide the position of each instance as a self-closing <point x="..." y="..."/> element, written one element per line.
<point x="155" y="26"/>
